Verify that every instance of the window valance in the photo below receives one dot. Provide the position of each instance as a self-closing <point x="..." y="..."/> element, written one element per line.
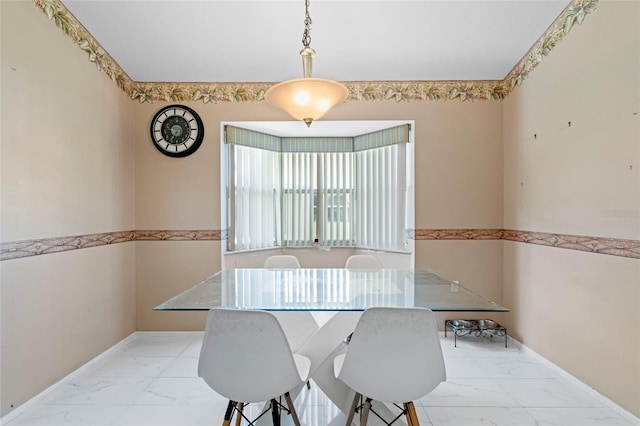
<point x="377" y="139"/>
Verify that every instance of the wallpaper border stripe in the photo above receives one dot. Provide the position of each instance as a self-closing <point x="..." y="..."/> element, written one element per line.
<point x="599" y="245"/>
<point x="400" y="91"/>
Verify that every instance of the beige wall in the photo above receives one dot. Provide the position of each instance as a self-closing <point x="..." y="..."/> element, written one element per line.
<point x="573" y="307"/>
<point x="67" y="169"/>
<point x="458" y="161"/>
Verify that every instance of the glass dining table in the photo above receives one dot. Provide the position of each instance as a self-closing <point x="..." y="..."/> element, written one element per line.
<point x="327" y="289"/>
<point x="298" y="296"/>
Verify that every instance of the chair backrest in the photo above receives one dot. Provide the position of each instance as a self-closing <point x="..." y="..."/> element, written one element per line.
<point x="363" y="261"/>
<point x="245" y="356"/>
<point x="282" y="261"/>
<point x="394" y="355"/>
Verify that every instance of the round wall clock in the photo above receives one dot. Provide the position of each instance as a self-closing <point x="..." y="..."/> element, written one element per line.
<point x="177" y="131"/>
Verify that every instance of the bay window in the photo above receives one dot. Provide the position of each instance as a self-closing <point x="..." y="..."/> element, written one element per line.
<point x="335" y="192"/>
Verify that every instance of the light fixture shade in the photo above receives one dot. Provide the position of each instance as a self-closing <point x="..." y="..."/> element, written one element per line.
<point x="307" y="99"/>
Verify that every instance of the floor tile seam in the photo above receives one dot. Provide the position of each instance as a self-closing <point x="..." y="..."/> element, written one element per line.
<point x="457" y="379"/>
<point x="614" y="413"/>
<point x="178" y="377"/>
<point x="78" y="404"/>
<point x="497" y="378"/>
<point x="117" y="356"/>
<point x="520" y="409"/>
<point x="555" y="379"/>
<point x="167" y="367"/>
<point x="139" y="394"/>
<point x="313" y="405"/>
<point x="115" y="376"/>
<point x="576" y="390"/>
<point x="148" y="356"/>
<point x="517" y="356"/>
<point x="576" y="393"/>
<point x="485" y="404"/>
<point x="561" y="406"/>
<point x="510" y="407"/>
<point x="567" y="407"/>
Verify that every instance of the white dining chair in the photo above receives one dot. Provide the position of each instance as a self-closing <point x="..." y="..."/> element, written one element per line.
<point x="282" y="261"/>
<point x="246" y="358"/>
<point x="394" y="356"/>
<point x="363" y="261"/>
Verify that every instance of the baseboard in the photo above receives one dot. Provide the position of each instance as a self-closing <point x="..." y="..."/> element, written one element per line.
<point x="39" y="397"/>
<point x="167" y="333"/>
<point x="579" y="383"/>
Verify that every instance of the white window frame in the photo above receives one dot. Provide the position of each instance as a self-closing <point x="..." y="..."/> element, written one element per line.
<point x="404" y="215"/>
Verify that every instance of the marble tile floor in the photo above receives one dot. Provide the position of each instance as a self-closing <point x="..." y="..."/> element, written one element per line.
<point x="150" y="379"/>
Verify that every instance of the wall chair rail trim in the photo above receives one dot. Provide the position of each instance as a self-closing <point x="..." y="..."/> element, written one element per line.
<point x="600" y="245"/>
<point x="27" y="248"/>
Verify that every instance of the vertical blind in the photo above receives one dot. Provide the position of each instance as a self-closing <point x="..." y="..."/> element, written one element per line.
<point x="299" y="182"/>
<point x="335" y="200"/>
<point x="254" y="192"/>
<point x="380" y="198"/>
<point x="339" y="192"/>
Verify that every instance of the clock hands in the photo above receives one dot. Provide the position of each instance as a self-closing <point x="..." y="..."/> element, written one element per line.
<point x="177" y="130"/>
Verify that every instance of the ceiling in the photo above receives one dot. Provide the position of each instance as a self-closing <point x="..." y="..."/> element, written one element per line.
<point x="356" y="40"/>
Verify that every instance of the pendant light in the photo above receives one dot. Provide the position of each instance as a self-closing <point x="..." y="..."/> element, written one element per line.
<point x="307" y="98"/>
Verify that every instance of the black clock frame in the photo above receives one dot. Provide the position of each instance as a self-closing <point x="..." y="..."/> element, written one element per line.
<point x="156" y="141"/>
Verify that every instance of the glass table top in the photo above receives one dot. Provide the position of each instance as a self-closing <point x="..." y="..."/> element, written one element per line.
<point x="326" y="289"/>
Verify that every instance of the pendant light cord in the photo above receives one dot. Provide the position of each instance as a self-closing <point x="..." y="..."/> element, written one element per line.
<point x="306" y="35"/>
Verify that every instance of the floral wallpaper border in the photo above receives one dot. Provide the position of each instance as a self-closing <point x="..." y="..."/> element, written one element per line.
<point x="610" y="246"/>
<point x="408" y="91"/>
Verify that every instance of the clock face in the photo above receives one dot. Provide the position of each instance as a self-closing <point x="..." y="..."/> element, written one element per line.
<point x="177" y="131"/>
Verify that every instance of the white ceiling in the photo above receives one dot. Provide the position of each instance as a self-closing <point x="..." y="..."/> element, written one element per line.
<point x="355" y="40"/>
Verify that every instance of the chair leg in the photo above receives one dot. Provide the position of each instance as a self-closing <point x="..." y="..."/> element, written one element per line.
<point x="352" y="410"/>
<point x="412" y="417"/>
<point x="240" y="409"/>
<point x="275" y="412"/>
<point x="228" y="415"/>
<point x="292" y="409"/>
<point x="365" y="412"/>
